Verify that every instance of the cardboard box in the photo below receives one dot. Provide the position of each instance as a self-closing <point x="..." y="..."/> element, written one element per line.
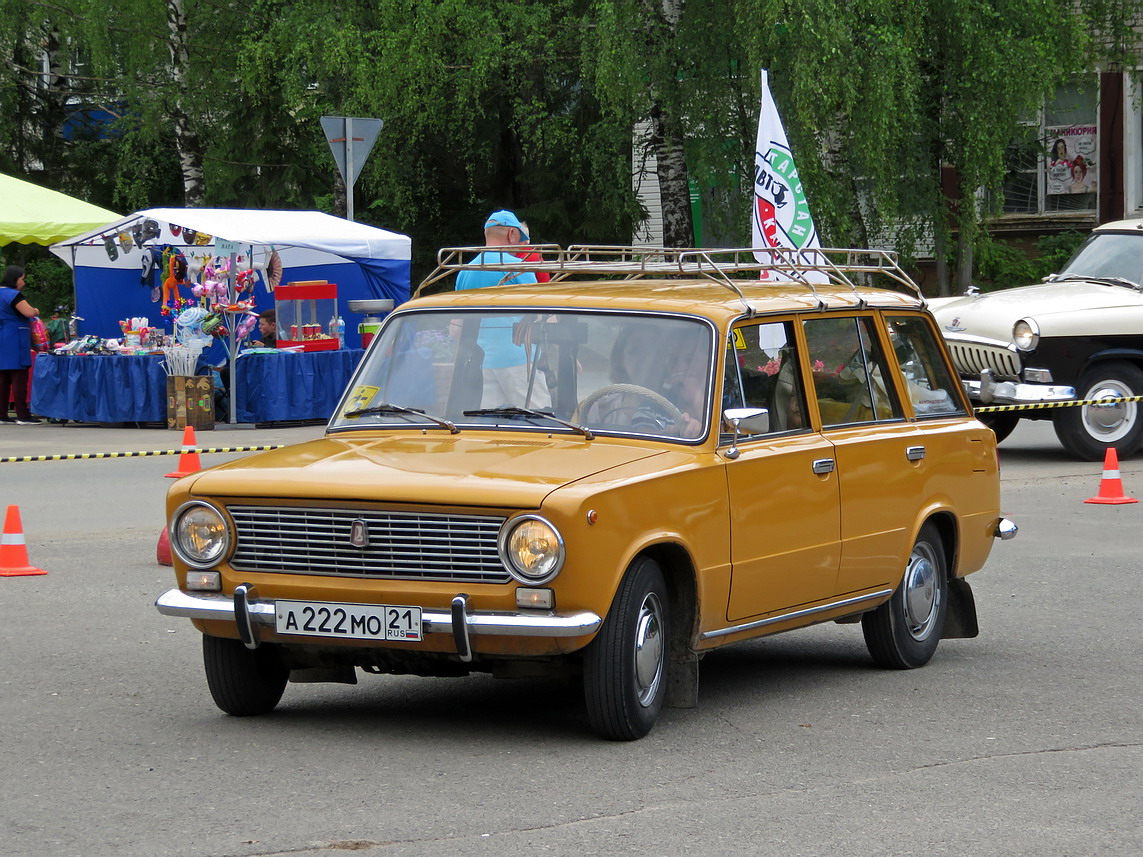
<point x="190" y="402"/>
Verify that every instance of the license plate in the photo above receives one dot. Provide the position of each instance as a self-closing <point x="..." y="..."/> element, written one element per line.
<point x="349" y="621"/>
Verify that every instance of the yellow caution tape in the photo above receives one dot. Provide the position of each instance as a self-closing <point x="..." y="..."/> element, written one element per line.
<point x="1076" y="403"/>
<point x="80" y="456"/>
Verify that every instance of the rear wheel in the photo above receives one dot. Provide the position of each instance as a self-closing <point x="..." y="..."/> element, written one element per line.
<point x="243" y="682"/>
<point x="904" y="631"/>
<point x="625" y="667"/>
<point x="1087" y="432"/>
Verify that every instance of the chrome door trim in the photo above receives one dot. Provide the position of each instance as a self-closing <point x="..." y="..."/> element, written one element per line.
<point x="915" y="453"/>
<point x="796" y="614"/>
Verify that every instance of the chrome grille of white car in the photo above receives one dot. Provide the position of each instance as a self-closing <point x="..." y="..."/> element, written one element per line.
<point x="972" y="358"/>
<point x="403" y="545"/>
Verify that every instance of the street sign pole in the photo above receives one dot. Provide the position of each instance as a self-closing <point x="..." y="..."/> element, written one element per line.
<point x="350" y="139"/>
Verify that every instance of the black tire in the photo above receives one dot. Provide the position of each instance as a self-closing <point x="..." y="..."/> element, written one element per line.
<point x="1087" y="432"/>
<point x="625" y="667"/>
<point x="244" y="682"/>
<point x="1002" y="424"/>
<point x="903" y="632"/>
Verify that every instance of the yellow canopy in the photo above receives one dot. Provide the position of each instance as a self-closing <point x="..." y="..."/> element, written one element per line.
<point x="31" y="214"/>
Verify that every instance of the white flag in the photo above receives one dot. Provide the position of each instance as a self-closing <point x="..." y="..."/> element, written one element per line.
<point x="780" y="213"/>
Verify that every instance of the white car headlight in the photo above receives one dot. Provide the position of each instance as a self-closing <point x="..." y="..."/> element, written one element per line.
<point x="200" y="535"/>
<point x="1026" y="334"/>
<point x="531" y="549"/>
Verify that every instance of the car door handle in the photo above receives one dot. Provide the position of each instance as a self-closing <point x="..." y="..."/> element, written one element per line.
<point x="823" y="465"/>
<point x="915" y="453"/>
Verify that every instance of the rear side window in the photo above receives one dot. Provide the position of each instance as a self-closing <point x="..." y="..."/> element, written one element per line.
<point x="851" y="381"/>
<point x="931" y="387"/>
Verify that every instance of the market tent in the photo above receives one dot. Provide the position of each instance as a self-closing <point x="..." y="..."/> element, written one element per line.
<point x="35" y="215"/>
<point x="111" y="283"/>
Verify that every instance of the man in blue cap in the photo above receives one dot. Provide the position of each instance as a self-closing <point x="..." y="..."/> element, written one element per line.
<point x="506" y="365"/>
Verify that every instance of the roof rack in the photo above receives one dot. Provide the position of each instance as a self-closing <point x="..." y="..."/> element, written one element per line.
<point x="722" y="266"/>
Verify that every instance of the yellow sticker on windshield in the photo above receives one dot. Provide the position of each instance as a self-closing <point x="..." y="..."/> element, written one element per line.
<point x="362" y="396"/>
<point x="739" y="340"/>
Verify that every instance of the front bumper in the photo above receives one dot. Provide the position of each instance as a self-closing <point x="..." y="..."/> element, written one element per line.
<point x="249" y="612"/>
<point x="988" y="391"/>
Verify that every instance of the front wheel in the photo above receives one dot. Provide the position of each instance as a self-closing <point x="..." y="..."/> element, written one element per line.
<point x="625" y="667"/>
<point x="1002" y="423"/>
<point x="903" y="632"/>
<point x="1087" y="432"/>
<point x="243" y="682"/>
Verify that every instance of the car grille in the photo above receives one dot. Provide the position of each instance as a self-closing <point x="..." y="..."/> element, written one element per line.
<point x="403" y="545"/>
<point x="972" y="358"/>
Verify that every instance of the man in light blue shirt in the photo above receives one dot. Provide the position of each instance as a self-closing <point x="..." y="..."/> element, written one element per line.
<point x="506" y="365"/>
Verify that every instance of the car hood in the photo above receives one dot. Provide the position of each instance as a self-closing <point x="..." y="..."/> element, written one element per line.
<point x="992" y="314"/>
<point x="515" y="470"/>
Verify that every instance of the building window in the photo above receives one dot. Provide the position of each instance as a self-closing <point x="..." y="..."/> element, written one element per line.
<point x="1053" y="163"/>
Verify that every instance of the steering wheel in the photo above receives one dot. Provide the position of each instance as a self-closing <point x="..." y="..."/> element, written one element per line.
<point x="622" y="412"/>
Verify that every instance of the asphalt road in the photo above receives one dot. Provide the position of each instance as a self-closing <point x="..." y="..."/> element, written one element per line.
<point x="1026" y="740"/>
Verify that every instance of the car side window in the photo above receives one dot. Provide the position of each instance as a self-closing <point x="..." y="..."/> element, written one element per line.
<point x="849" y="371"/>
<point x="762" y="372"/>
<point x="930" y="384"/>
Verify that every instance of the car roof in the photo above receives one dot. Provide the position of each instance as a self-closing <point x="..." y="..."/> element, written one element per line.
<point x="718" y="284"/>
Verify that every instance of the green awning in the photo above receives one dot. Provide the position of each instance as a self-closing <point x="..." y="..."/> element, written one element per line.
<point x="31" y="214"/>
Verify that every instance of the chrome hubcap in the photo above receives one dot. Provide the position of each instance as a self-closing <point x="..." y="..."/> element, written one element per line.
<point x="922" y="592"/>
<point x="1113" y="421"/>
<point x="649" y="648"/>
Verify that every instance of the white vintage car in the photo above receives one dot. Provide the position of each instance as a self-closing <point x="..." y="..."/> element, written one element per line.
<point x="1078" y="336"/>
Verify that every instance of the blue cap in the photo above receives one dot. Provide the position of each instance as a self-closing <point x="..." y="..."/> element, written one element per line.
<point x="506" y="218"/>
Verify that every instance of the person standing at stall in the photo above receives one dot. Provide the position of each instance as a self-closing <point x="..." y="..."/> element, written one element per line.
<point x="509" y="376"/>
<point x="16" y="315"/>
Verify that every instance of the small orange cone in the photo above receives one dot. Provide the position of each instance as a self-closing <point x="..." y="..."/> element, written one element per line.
<point x="188" y="461"/>
<point x="13" y="550"/>
<point x="1111" y="486"/>
<point x="163" y="551"/>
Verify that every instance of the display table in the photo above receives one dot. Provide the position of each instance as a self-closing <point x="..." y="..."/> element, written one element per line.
<point x="291" y="385"/>
<point x="100" y="388"/>
<point x="279" y="387"/>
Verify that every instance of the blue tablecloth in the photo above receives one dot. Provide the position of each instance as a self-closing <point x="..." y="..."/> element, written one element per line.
<point x="277" y="387"/>
<point x="100" y="389"/>
<point x="291" y="385"/>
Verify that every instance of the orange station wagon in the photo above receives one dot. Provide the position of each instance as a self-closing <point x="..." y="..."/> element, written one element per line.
<point x="658" y="453"/>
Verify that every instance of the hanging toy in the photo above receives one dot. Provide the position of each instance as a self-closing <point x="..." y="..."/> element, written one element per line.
<point x="243" y="328"/>
<point x="177" y="276"/>
<point x="245" y="281"/>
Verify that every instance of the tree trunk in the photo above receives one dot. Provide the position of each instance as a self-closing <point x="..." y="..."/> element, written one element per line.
<point x="674" y="188"/>
<point x="964" y="261"/>
<point x="186" y="138"/>
<point x="940" y="255"/>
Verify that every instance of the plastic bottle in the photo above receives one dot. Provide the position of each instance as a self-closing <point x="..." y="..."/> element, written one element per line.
<point x="340" y="332"/>
<point x="331" y="328"/>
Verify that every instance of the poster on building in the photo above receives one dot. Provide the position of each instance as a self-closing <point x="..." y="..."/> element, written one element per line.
<point x="1071" y="159"/>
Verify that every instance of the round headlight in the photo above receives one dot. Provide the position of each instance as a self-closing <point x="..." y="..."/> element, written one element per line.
<point x="200" y="536"/>
<point x="532" y="549"/>
<point x="1025" y="334"/>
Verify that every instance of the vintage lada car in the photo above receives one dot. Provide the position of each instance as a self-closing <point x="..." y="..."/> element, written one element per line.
<point x="1077" y="337"/>
<point x="605" y="476"/>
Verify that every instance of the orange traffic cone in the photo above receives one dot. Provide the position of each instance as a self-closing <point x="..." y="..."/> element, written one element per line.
<point x="13" y="550"/>
<point x="188" y="461"/>
<point x="1111" y="487"/>
<point x="163" y="551"/>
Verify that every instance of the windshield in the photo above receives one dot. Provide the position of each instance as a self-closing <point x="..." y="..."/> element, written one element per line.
<point x="1108" y="255"/>
<point x="607" y="373"/>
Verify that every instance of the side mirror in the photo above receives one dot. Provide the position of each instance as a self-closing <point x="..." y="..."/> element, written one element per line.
<point x="744" y="420"/>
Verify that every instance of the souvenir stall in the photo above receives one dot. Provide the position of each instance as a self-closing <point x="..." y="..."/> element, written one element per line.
<point x="180" y="279"/>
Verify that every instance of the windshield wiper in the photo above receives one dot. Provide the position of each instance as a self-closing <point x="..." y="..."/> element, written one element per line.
<point x="1111" y="281"/>
<point x="512" y="411"/>
<point x="387" y="408"/>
